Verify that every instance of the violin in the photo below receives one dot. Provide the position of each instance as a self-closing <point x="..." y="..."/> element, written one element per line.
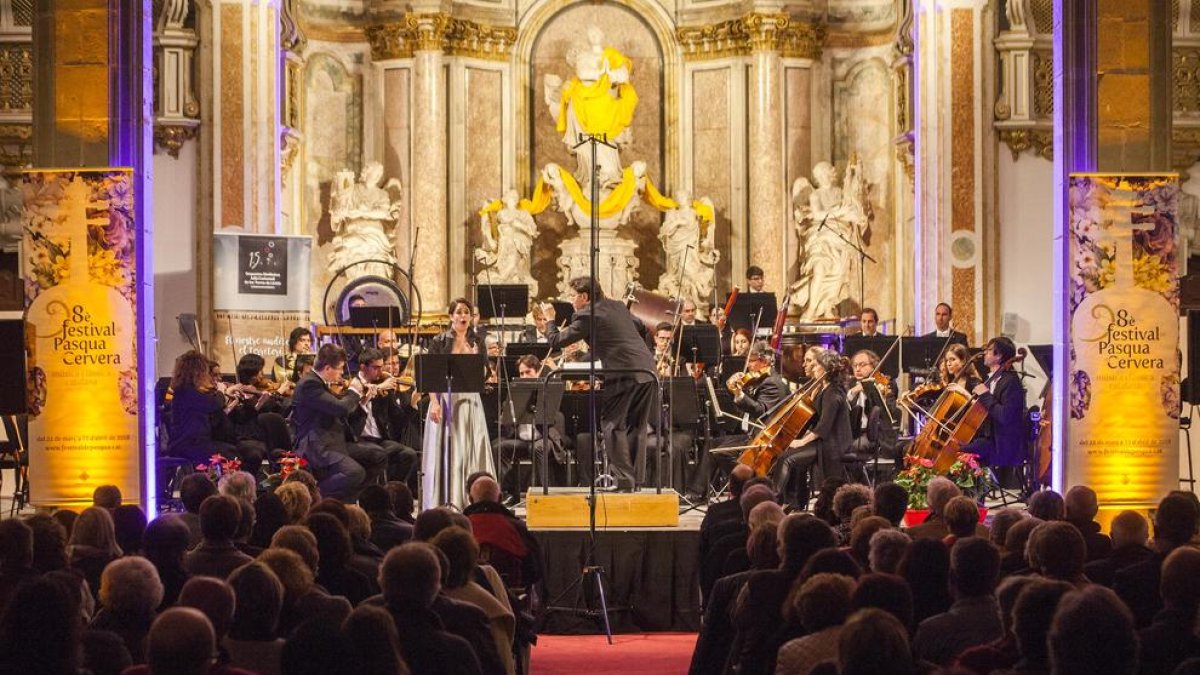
<point x="880" y="381"/>
<point x="749" y="378"/>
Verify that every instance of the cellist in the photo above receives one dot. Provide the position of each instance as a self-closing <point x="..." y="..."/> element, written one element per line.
<point x="828" y="435"/>
<point x="1001" y="440"/>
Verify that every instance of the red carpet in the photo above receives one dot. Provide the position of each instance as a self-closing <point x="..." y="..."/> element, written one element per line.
<point x="666" y="653"/>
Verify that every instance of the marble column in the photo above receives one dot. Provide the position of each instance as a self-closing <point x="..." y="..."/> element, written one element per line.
<point x="768" y="207"/>
<point x="429" y="175"/>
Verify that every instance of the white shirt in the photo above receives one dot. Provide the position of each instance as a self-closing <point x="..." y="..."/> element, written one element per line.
<point x="371" y="427"/>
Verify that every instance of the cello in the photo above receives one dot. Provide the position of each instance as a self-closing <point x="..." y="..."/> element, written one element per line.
<point x="953" y="421"/>
<point x="787" y="422"/>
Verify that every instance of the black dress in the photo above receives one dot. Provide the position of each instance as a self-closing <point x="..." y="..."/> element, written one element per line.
<point x="831" y="425"/>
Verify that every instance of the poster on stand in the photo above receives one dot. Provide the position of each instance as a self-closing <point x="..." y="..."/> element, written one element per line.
<point x="1123" y="367"/>
<point x="79" y="266"/>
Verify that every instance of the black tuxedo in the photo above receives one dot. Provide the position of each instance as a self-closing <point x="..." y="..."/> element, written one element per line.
<point x="321" y="433"/>
<point x="955" y="336"/>
<point x="879" y="431"/>
<point x="626" y="398"/>
<point x="1003" y="438"/>
<point x="402" y="459"/>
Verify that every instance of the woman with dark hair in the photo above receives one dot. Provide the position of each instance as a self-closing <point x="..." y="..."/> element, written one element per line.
<point x="198" y="426"/>
<point x="461" y="415"/>
<point x="39" y="630"/>
<point x="926" y="568"/>
<point x="828" y="436"/>
<point x="300" y="341"/>
<point x="956" y="367"/>
<point x="93" y="544"/>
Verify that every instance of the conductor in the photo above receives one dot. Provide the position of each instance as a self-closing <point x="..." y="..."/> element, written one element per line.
<point x="626" y="399"/>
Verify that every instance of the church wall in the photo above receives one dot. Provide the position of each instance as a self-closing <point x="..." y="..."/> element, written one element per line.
<point x="1024" y="212"/>
<point x="174" y="205"/>
<point x="392" y="144"/>
<point x="479" y="115"/>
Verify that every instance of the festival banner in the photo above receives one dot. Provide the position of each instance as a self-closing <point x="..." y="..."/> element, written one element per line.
<point x="1123" y="426"/>
<point x="261" y="293"/>
<point x="79" y="261"/>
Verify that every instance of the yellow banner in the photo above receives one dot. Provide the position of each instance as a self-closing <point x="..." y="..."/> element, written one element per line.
<point x="81" y="334"/>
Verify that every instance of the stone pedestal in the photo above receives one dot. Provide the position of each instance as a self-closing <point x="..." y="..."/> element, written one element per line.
<point x="616" y="266"/>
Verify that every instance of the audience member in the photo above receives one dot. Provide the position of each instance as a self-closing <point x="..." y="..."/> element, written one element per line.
<point x="926" y="568"/>
<point x="729" y="536"/>
<point x="301" y="541"/>
<point x="320" y="647"/>
<point x="823" y="506"/>
<point x="66" y="518"/>
<point x="239" y="484"/>
<point x="106" y="497"/>
<point x="93" y="544"/>
<point x="890" y="501"/>
<point x="16" y="557"/>
<point x="1171" y="638"/>
<point x="269" y="515"/>
<point x="1002" y="653"/>
<point x="297" y="500"/>
<point x="39" y="629"/>
<point x="387" y="529"/>
<point x="181" y="642"/>
<point x="1080" y="507"/>
<point x="130" y="594"/>
<point x="504" y="540"/>
<point x="873" y="642"/>
<point x="217" y="555"/>
<point x="49" y="544"/>
<point x="1046" y="505"/>
<point x="1130" y="532"/>
<point x="374" y="637"/>
<point x="961" y="517"/>
<point x="1016" y="559"/>
<point x="821" y="606"/>
<point x="845" y="501"/>
<point x="334" y="572"/>
<point x="1175" y="523"/>
<point x="129" y="526"/>
<point x="104" y="653"/>
<point x="730" y="508"/>
<point x="403" y="502"/>
<point x="303" y="600"/>
<point x="253" y="641"/>
<point x="1033" y="613"/>
<point x="1092" y="634"/>
<point x="888" y="592"/>
<point x="829" y="561"/>
<point x="974" y="618"/>
<point x="193" y="490"/>
<point x="308" y="480"/>
<point x="886" y="549"/>
<point x="165" y="544"/>
<point x="1002" y="519"/>
<point x="1056" y="550"/>
<point x="938" y="494"/>
<point x="461" y="555"/>
<point x="215" y="599"/>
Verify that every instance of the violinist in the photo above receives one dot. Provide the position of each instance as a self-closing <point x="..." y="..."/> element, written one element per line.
<point x="740" y="344"/>
<point x="872" y="406"/>
<point x="664" y="359"/>
<point x="1000" y="442"/>
<point x="827" y="437"/>
<point x="300" y="341"/>
<point x="371" y="420"/>
<point x="755" y="393"/>
<point x="258" y="417"/>
<point x="197" y="422"/>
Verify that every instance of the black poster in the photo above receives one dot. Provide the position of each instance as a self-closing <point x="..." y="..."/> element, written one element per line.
<point x="262" y="265"/>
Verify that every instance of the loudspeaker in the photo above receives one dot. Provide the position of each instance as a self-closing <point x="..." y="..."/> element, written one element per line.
<point x="12" y="367"/>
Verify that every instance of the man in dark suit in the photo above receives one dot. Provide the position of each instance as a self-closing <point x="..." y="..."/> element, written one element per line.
<point x="320" y="419"/>
<point x="941" y="321"/>
<point x="755" y="401"/>
<point x="874" y="418"/>
<point x="543" y="317"/>
<point x="620" y="343"/>
<point x="868" y="323"/>
<point x="1002" y="440"/>
<point x="371" y="421"/>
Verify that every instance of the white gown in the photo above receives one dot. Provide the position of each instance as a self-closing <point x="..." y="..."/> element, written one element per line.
<point x="469" y="451"/>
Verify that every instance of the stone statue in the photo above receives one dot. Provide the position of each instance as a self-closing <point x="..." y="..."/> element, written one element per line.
<point x="829" y="266"/>
<point x="691" y="253"/>
<point x="599" y="99"/>
<point x="363" y="216"/>
<point x="508" y="236"/>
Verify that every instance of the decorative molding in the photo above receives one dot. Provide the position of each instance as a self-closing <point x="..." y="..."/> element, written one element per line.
<point x="1040" y="141"/>
<point x="289" y="148"/>
<point x="753" y="32"/>
<point x="1185" y="80"/>
<point x="440" y="32"/>
<point x="291" y="37"/>
<point x="16" y="77"/>
<point x="171" y="137"/>
<point x="1185" y="147"/>
<point x="1043" y="84"/>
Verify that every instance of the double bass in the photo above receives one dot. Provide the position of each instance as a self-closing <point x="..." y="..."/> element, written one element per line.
<point x="786" y="423"/>
<point x="953" y="421"/>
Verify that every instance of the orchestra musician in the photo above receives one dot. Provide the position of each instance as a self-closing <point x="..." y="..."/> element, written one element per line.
<point x="543" y="315"/>
<point x="740" y="344"/>
<point x="320" y="417"/>
<point x="300" y="341"/>
<point x="756" y="392"/>
<point x="199" y="427"/>
<point x="942" y="314"/>
<point x="754" y="280"/>
<point x="627" y="398"/>
<point x="873" y="411"/>
<point x="371" y="421"/>
<point x="687" y="313"/>
<point x="956" y="368"/>
<point x="868" y="322"/>
<point x="664" y="358"/>
<point x="259" y="416"/>
<point x="827" y="437"/>
<point x="1001" y="441"/>
<point x="404" y="409"/>
<point x="522" y="439"/>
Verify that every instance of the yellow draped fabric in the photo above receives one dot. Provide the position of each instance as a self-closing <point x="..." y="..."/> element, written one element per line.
<point x="595" y="108"/>
<point x="541" y="199"/>
<point x="664" y="203"/>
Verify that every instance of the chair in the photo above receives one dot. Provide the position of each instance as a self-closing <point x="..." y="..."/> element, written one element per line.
<point x="14" y="455"/>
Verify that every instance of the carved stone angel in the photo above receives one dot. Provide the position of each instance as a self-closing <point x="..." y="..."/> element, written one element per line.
<point x="508" y="236"/>
<point x="363" y="216"/>
<point x="692" y="255"/>
<point x="829" y="265"/>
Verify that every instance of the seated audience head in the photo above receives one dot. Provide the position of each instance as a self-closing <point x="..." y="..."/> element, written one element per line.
<point x="1006" y="596"/>
<point x="752" y="497"/>
<point x="296" y="501"/>
<point x="334" y="507"/>
<point x="1130" y="528"/>
<point x="372" y="632"/>
<point x="94" y="530"/>
<point x="194" y="489"/>
<point x="873" y="642"/>
<point x="239" y="484"/>
<point x="66" y="518"/>
<point x="938" y="494"/>
<point x="974" y="567"/>
<point x="821" y="602"/>
<point x="476" y="476"/>
<point x="1081" y="504"/>
<point x="430" y="522"/>
<point x="462" y="555"/>
<point x="1180" y="583"/>
<point x="360" y="522"/>
<point x="16" y="546"/>
<point x="1017" y="540"/>
<point x="333" y="542"/>
<point x="1047" y="505"/>
<point x="485" y="489"/>
<point x="130" y="586"/>
<point x="1032" y="615"/>
<point x="737" y="479"/>
<point x="832" y="561"/>
<point x="823" y="507"/>
<point x="104" y="653"/>
<point x="269" y="516"/>
<point x="220" y="517"/>
<point x="860" y="537"/>
<point x="765" y="514"/>
<point x="849" y="497"/>
<point x="49" y="543"/>
<point x="801" y="535"/>
<point x="375" y="499"/>
<point x="166" y="540"/>
<point x="320" y="647"/>
<point x="926" y="566"/>
<point x="890" y="501"/>
<point x="1002" y="519"/>
<point x="129" y="525"/>
<point x="259" y="596"/>
<point x="181" y="642"/>
<point x="293" y="573"/>
<point x="301" y="541"/>
<point x="887" y="592"/>
<point x="106" y="497"/>
<point x="1056" y="550"/>
<point x="961" y="516"/>
<point x="1175" y="521"/>
<point x="39" y="628"/>
<point x="403" y="502"/>
<point x="214" y="597"/>
<point x="886" y="550"/>
<point x="762" y="547"/>
<point x="410" y="576"/>
<point x="1092" y="634"/>
<point x="309" y="481"/>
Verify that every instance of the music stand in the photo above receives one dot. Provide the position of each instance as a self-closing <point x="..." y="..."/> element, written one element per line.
<point x="502" y="300"/>
<point x="387" y="316"/>
<point x="563" y="312"/>
<point x="519" y="349"/>
<point x="700" y="343"/>
<point x="747" y="306"/>
<point x="731" y="365"/>
<point x="880" y="344"/>
<point x="920" y="353"/>
<point x="449" y="374"/>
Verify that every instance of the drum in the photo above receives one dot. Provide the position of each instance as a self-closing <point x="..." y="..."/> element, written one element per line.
<point x="649" y="308"/>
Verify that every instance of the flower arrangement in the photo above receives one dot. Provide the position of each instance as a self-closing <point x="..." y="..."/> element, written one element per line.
<point x="219" y="466"/>
<point x="967" y="474"/>
<point x="288" y="463"/>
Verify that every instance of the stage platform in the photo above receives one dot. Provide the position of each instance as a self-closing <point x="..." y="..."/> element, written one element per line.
<point x="569" y="507"/>
<point x="650" y="576"/>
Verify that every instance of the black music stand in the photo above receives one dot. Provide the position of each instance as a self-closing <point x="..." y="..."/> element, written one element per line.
<point x="563" y="312"/>
<point x="519" y="349"/>
<point x="700" y="343"/>
<point x="919" y="355"/>
<point x="502" y="300"/>
<point x="880" y="344"/>
<point x="385" y="316"/>
<point x="449" y="374"/>
<point x="748" y="307"/>
<point x="527" y="405"/>
<point x="731" y="365"/>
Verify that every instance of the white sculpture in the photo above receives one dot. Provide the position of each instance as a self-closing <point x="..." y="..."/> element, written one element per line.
<point x="691" y="253"/>
<point x="599" y="99"/>
<point x="508" y="236"/>
<point x="829" y="265"/>
<point x="363" y="216"/>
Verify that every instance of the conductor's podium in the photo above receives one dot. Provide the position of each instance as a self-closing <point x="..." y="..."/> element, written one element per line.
<point x="568" y="507"/>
